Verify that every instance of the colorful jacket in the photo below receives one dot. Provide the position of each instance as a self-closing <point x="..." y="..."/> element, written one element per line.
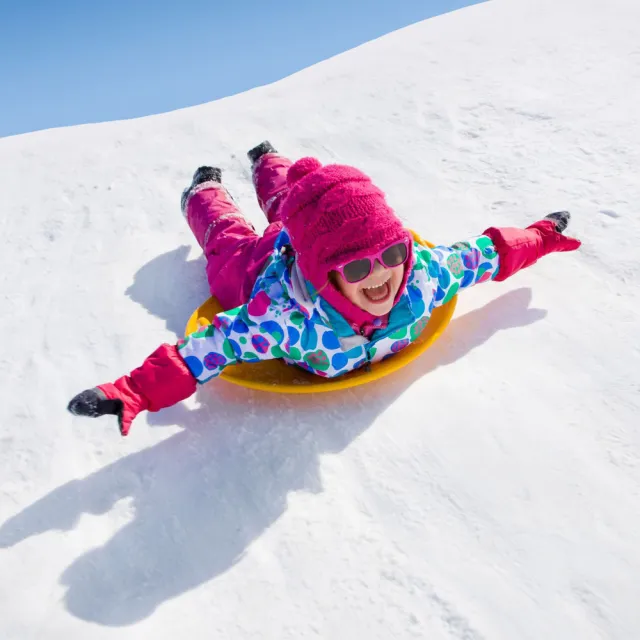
<point x="285" y="318"/>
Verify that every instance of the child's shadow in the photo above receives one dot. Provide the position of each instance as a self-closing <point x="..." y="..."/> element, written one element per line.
<point x="201" y="497"/>
<point x="171" y="287"/>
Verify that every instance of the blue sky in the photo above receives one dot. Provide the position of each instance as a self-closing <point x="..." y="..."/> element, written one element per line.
<point x="69" y="62"/>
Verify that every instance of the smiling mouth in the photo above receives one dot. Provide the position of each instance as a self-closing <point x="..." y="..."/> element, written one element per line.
<point x="378" y="294"/>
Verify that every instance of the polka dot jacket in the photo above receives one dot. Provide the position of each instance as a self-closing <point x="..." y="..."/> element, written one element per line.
<point x="285" y="318"/>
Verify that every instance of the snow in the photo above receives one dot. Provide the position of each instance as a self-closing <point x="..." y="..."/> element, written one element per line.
<point x="487" y="491"/>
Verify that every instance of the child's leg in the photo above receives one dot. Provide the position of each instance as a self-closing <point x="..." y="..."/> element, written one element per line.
<point x="235" y="253"/>
<point x="270" y="182"/>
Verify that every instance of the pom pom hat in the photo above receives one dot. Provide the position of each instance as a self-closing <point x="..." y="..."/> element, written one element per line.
<point x="334" y="214"/>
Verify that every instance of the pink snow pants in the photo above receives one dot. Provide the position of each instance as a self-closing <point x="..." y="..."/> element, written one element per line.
<point x="235" y="253"/>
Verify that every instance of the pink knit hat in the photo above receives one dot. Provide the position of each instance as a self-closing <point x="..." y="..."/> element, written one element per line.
<point x="335" y="214"/>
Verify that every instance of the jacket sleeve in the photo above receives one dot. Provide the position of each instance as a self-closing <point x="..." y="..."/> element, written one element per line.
<point x="520" y="248"/>
<point x="160" y="381"/>
<point x="249" y="333"/>
<point x="459" y="266"/>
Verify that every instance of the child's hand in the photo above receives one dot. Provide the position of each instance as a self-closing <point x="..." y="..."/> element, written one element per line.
<point x="93" y="403"/>
<point x="162" y="380"/>
<point x="520" y="248"/>
<point x="119" y="399"/>
<point x="561" y="219"/>
<point x="552" y="238"/>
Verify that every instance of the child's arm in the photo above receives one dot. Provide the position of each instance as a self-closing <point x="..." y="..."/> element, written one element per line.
<point x="496" y="255"/>
<point x="520" y="248"/>
<point x="162" y="380"/>
<point x="169" y="375"/>
<point x="460" y="266"/>
<point x="249" y="333"/>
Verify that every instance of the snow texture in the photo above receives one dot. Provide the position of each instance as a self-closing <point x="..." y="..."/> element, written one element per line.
<point x="488" y="491"/>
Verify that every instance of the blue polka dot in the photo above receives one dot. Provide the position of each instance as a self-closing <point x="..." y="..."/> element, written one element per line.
<point x="236" y="348"/>
<point x="417" y="303"/>
<point x="330" y="341"/>
<point x="339" y="361"/>
<point x="294" y="336"/>
<point x="444" y="278"/>
<point x="356" y="352"/>
<point x="309" y="337"/>
<point x="195" y="366"/>
<point x="239" y="326"/>
<point x="317" y="319"/>
<point x="467" y="278"/>
<point x="273" y="329"/>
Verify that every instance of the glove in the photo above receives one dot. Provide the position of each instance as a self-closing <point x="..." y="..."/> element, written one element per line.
<point x="561" y="219"/>
<point x="521" y="248"/>
<point x="161" y="381"/>
<point x="94" y="403"/>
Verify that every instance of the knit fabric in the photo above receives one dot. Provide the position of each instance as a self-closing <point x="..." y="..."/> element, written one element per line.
<point x="335" y="214"/>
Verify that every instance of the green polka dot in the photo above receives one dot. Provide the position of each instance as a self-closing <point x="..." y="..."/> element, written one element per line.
<point x="399" y="334"/>
<point x="486" y="246"/>
<point x="243" y="340"/>
<point x="228" y="350"/>
<point x="372" y="352"/>
<point x="233" y="312"/>
<point x="248" y="355"/>
<point x="277" y="352"/>
<point x="205" y="332"/>
<point x="452" y="292"/>
<point x="297" y="318"/>
<point x="294" y="353"/>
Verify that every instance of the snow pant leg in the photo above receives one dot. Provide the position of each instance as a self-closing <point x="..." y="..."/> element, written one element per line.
<point x="270" y="182"/>
<point x="235" y="253"/>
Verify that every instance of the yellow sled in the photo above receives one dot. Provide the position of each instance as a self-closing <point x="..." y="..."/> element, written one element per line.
<point x="278" y="377"/>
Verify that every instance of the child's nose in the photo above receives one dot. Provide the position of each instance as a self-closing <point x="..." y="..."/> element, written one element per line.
<point x="378" y="266"/>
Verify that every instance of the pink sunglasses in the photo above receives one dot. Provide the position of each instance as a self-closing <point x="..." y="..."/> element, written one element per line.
<point x="392" y="256"/>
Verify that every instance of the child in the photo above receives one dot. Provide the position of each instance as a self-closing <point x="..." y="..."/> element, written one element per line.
<point x="334" y="283"/>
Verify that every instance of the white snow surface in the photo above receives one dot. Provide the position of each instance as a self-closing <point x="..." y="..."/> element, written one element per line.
<point x="490" y="490"/>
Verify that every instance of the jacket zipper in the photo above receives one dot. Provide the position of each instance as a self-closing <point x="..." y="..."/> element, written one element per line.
<point x="367" y="367"/>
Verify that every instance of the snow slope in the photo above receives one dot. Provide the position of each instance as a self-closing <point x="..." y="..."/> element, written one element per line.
<point x="488" y="491"/>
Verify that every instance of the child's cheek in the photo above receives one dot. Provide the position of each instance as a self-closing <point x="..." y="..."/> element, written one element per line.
<point x="353" y="295"/>
<point x="398" y="276"/>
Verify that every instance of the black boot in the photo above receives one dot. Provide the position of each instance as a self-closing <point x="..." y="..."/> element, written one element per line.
<point x="202" y="174"/>
<point x="257" y="152"/>
<point x="561" y="218"/>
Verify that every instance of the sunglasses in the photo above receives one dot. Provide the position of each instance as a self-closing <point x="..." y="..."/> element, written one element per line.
<point x="392" y="256"/>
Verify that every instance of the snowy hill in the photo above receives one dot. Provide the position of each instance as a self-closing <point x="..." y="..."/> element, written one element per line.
<point x="488" y="491"/>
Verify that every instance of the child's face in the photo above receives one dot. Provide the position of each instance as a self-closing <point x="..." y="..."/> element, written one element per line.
<point x="376" y="292"/>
